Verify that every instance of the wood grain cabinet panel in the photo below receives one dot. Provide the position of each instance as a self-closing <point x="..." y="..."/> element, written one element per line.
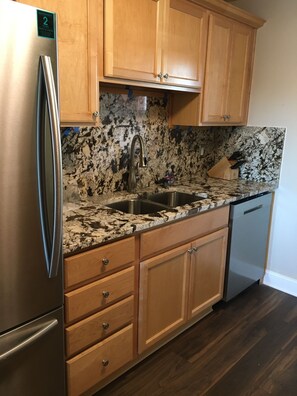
<point x="155" y="41"/>
<point x="183" y="283"/>
<point x="216" y="75"/>
<point x="184" y="47"/>
<point x="90" y="367"/>
<point x="98" y="326"/>
<point x="132" y="39"/>
<point x="240" y="72"/>
<point x="207" y="271"/>
<point x="77" y="58"/>
<point x="228" y="72"/>
<point x="97" y="262"/>
<point x="155" y="241"/>
<point x="91" y="298"/>
<point x="227" y="77"/>
<point x="163" y="295"/>
<point x="100" y="333"/>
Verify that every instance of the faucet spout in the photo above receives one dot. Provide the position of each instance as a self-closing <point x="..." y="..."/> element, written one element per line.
<point x="133" y="167"/>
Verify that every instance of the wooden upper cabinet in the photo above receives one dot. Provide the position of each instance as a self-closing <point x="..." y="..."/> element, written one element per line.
<point x="228" y="72"/>
<point x="132" y="39"/>
<point x="240" y="72"/>
<point x="216" y="72"/>
<point x="155" y="41"/>
<point x="184" y="44"/>
<point x="77" y="58"/>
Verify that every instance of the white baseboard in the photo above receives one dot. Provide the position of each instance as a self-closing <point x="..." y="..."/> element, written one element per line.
<point x="280" y="282"/>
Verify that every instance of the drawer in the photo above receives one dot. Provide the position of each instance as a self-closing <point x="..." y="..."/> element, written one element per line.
<point x="91" y="298"/>
<point x="98" y="326"/>
<point x="88" y="368"/>
<point x="91" y="264"/>
<point x="156" y="241"/>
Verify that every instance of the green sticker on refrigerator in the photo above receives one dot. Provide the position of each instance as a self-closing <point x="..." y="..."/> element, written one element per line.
<point x="46" y="24"/>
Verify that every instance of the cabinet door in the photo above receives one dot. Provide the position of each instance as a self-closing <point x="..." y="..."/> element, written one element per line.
<point x="185" y="44"/>
<point x="240" y="73"/>
<point x="207" y="271"/>
<point x="163" y="295"/>
<point x="77" y="50"/>
<point x="230" y="54"/>
<point x="132" y="39"/>
<point x="216" y="72"/>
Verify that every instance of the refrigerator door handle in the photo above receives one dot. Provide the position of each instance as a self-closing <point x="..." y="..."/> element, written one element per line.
<point x="47" y="92"/>
<point x="36" y="335"/>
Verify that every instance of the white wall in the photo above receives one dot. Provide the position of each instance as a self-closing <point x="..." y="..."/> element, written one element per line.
<point x="274" y="103"/>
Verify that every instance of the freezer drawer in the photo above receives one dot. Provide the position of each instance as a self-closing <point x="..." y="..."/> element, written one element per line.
<point x="32" y="358"/>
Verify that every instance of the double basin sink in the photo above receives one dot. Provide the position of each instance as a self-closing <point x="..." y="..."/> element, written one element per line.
<point x="154" y="203"/>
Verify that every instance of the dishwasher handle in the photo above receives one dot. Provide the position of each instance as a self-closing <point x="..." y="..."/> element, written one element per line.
<point x="253" y="209"/>
<point x="253" y="205"/>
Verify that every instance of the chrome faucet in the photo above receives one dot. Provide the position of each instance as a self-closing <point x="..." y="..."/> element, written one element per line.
<point x="133" y="167"/>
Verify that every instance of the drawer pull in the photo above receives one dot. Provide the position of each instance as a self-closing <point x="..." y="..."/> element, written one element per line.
<point x="105" y="325"/>
<point x="105" y="294"/>
<point x="105" y="362"/>
<point x="105" y="261"/>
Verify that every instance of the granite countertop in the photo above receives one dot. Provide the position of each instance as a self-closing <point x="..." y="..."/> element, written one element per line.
<point x="89" y="223"/>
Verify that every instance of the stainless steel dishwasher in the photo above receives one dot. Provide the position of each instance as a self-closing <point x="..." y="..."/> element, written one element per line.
<point x="248" y="236"/>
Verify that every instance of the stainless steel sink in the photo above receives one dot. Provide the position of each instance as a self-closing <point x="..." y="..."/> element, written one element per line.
<point x="137" y="206"/>
<point x="173" y="198"/>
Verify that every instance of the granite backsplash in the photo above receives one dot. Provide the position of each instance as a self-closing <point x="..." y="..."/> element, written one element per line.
<point x="95" y="160"/>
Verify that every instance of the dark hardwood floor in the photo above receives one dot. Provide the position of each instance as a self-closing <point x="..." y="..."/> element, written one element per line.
<point x="245" y="347"/>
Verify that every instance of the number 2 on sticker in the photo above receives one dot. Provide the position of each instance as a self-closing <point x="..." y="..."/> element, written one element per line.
<point x="45" y="21"/>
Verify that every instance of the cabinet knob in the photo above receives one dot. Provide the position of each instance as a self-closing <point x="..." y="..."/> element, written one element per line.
<point x="190" y="250"/>
<point x="105" y="261"/>
<point x="105" y="362"/>
<point x="160" y="75"/>
<point x="195" y="249"/>
<point x="166" y="76"/>
<point x="105" y="325"/>
<point x="105" y="294"/>
<point x="96" y="114"/>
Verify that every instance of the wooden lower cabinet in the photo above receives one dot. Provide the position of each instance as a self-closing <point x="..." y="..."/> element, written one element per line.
<point x="207" y="271"/>
<point x="98" y="326"/>
<point x="162" y="295"/>
<point x="100" y="314"/>
<point x="94" y="364"/>
<point x="96" y="295"/>
<point x="183" y="283"/>
<point x="181" y="270"/>
<point x="86" y="266"/>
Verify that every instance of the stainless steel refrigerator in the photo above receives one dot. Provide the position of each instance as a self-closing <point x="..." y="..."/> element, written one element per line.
<point x="31" y="291"/>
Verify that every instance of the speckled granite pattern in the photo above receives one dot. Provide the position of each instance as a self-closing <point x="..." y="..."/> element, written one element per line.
<point x="262" y="148"/>
<point x="90" y="223"/>
<point x="95" y="160"/>
<point x="95" y="163"/>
